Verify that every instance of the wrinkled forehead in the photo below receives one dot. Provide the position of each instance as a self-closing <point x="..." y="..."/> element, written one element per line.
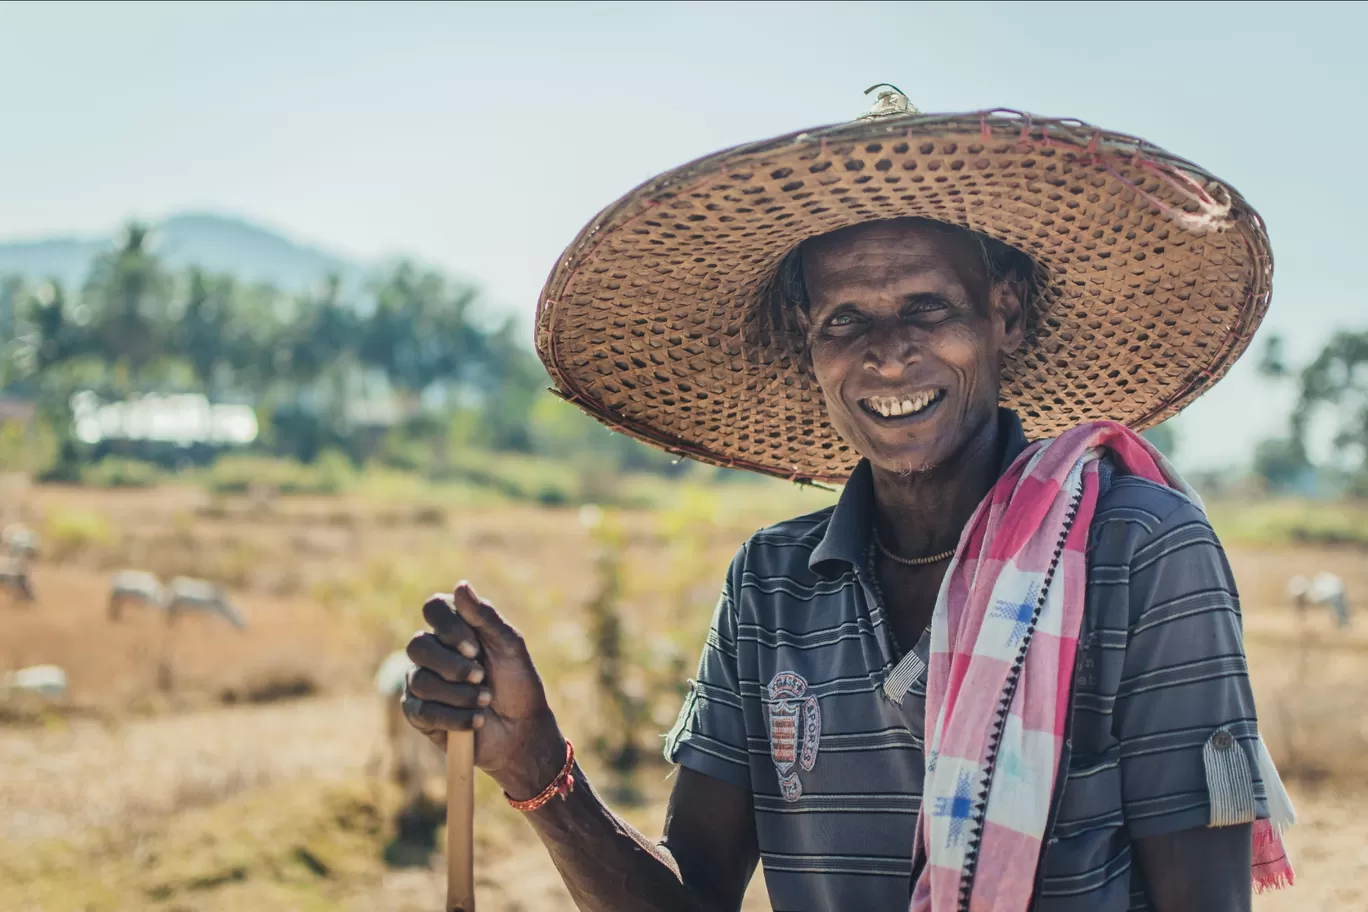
<point x="889" y="253"/>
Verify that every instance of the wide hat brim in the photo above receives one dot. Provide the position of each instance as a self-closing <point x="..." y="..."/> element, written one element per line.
<point x="1151" y="278"/>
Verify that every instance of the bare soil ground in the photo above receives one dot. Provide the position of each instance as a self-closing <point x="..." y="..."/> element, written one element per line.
<point x="205" y="768"/>
<point x="63" y="780"/>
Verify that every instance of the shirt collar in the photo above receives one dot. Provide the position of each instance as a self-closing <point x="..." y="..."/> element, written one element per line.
<point x="847" y="535"/>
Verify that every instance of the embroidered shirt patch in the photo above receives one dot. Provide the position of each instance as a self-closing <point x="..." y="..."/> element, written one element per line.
<point x="795" y="725"/>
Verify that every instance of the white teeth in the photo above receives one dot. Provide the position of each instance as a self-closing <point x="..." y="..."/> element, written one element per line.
<point x="890" y="407"/>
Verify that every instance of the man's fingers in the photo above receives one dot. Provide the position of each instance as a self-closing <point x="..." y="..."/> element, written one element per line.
<point x="439" y="612"/>
<point x="428" y="652"/>
<point x="431" y="717"/>
<point x="428" y="686"/>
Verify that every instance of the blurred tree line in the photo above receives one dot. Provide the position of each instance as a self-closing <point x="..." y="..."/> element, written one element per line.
<point x="411" y="371"/>
<point x="415" y="346"/>
<point x="1332" y="387"/>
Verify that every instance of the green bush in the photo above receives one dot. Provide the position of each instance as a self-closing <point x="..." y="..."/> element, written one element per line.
<point x="1287" y="521"/>
<point x="404" y="453"/>
<point x="67" y="533"/>
<point x="331" y="473"/>
<point x="518" y="477"/>
<point x="120" y="473"/>
<point x="32" y="449"/>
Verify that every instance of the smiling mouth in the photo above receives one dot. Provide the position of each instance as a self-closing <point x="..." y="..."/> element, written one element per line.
<point x="892" y="407"/>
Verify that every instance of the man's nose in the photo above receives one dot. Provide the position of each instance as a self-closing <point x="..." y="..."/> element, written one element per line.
<point x="892" y="349"/>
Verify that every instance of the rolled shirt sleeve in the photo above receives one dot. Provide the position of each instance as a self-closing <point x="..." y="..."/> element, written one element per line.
<point x="709" y="735"/>
<point x="1184" y="713"/>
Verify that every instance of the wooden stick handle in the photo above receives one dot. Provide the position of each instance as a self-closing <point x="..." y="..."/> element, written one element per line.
<point x="460" y="821"/>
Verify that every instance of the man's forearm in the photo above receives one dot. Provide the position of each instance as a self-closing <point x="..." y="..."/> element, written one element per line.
<point x="607" y="864"/>
<point x="1206" y="869"/>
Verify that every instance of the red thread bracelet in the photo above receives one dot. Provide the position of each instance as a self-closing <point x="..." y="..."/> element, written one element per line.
<point x="562" y="785"/>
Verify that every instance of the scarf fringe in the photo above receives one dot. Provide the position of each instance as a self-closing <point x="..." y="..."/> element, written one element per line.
<point x="1278" y="876"/>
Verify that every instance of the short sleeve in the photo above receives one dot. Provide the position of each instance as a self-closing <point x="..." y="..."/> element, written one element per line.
<point x="1184" y="713"/>
<point x="709" y="735"/>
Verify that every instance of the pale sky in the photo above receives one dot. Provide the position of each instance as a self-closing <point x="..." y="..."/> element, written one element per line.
<point x="481" y="137"/>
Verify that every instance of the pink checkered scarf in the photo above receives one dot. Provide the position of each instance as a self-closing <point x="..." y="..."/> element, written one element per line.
<point x="995" y="708"/>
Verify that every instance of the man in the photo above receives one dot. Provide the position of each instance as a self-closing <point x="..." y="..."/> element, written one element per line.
<point x="893" y="304"/>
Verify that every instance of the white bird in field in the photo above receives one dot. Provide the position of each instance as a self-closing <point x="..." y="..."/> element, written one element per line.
<point x="1322" y="589"/>
<point x="392" y="674"/>
<point x="15" y="578"/>
<point x="181" y="596"/>
<point x="411" y="754"/>
<point x="136" y="587"/>
<point x="20" y="541"/>
<point x="185" y="594"/>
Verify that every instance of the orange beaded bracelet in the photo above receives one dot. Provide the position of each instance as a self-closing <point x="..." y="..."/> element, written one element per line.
<point x="562" y="785"/>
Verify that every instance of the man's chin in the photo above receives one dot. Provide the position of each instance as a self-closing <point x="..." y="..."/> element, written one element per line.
<point x="897" y="450"/>
<point x="903" y="460"/>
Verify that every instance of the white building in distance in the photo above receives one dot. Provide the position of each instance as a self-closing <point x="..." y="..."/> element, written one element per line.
<point x="182" y="419"/>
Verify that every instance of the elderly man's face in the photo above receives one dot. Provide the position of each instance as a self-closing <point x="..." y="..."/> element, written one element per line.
<point x="907" y="335"/>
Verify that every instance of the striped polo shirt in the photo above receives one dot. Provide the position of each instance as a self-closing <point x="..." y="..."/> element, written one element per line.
<point x="803" y="698"/>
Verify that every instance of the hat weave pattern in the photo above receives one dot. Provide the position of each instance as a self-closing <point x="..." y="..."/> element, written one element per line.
<point x="1151" y="277"/>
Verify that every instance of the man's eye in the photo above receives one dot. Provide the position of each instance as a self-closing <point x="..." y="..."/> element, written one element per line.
<point x="933" y="305"/>
<point x="927" y="312"/>
<point x="844" y="319"/>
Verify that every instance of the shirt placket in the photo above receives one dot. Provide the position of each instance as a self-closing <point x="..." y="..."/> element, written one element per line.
<point x="899" y="671"/>
<point x="878" y="619"/>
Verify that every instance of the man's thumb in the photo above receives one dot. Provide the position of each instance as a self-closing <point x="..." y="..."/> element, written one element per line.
<point x="480" y="615"/>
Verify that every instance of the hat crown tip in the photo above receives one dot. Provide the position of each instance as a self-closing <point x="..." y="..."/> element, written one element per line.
<point x="890" y="101"/>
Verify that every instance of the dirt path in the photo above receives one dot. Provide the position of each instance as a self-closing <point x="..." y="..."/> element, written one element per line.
<point x="59" y="782"/>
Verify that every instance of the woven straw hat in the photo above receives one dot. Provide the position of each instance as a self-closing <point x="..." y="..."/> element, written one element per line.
<point x="1151" y="277"/>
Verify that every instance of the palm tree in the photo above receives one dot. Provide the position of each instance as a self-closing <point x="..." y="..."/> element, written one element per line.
<point x="129" y="294"/>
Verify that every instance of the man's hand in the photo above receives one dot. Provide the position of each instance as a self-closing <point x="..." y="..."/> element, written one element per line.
<point x="474" y="672"/>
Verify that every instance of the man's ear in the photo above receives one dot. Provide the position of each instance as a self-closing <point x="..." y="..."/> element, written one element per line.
<point x="1009" y="307"/>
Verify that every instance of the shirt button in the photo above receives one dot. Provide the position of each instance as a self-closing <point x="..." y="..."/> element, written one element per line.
<point x="1223" y="740"/>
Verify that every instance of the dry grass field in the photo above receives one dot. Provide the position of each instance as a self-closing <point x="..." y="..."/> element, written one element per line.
<point x="198" y="767"/>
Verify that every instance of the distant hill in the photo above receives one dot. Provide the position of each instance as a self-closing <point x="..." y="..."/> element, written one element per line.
<point x="213" y="242"/>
